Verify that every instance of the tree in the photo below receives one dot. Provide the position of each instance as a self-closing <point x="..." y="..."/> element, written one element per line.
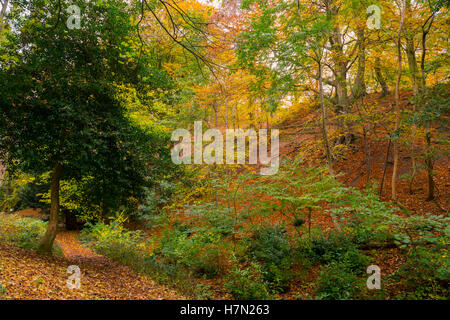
<point x="59" y="106"/>
<point x="402" y="9"/>
<point x="434" y="7"/>
<point x="284" y="58"/>
<point x="3" y="7"/>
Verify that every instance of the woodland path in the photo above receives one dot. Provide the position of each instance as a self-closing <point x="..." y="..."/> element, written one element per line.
<point x="28" y="275"/>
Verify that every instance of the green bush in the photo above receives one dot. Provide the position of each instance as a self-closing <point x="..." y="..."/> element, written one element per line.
<point x="213" y="219"/>
<point x="338" y="247"/>
<point x="425" y="275"/>
<point x="115" y="242"/>
<point x="362" y="231"/>
<point x="247" y="283"/>
<point x="149" y="213"/>
<point x="337" y="282"/>
<point x="21" y="191"/>
<point x="269" y="245"/>
<point x="278" y="276"/>
<point x="203" y="253"/>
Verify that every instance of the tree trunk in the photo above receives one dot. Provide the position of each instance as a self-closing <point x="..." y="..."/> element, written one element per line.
<point x="413" y="72"/>
<point x="360" y="83"/>
<point x="46" y="244"/>
<point x="226" y="108"/>
<point x="385" y="168"/>
<point x="215" y="107"/>
<point x="367" y="145"/>
<point x="324" y="127"/>
<point x="339" y="59"/>
<point x="380" y="79"/>
<point x="8" y="177"/>
<point x="429" y="164"/>
<point x="413" y="155"/>
<point x="2" y="13"/>
<point x="411" y="54"/>
<point x="397" y="101"/>
<point x="428" y="158"/>
<point x="412" y="63"/>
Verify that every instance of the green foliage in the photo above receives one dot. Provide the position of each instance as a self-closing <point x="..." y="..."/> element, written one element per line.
<point x="426" y="274"/>
<point x="203" y="253"/>
<point x="337" y="247"/>
<point x="77" y="197"/>
<point x="20" y="191"/>
<point x="29" y="195"/>
<point x="270" y="246"/>
<point x="24" y="232"/>
<point x="61" y="105"/>
<point x="279" y="35"/>
<point x="158" y="197"/>
<point x="337" y="282"/>
<point x="435" y="105"/>
<point x="247" y="283"/>
<point x="212" y="218"/>
<point x="114" y="241"/>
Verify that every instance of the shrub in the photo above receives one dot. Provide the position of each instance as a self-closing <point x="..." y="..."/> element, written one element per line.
<point x="115" y="242"/>
<point x="247" y="283"/>
<point x="214" y="219"/>
<point x="338" y="247"/>
<point x="278" y="276"/>
<point x="202" y="253"/>
<point x="426" y="274"/>
<point x="270" y="246"/>
<point x="362" y="231"/>
<point x="337" y="282"/>
<point x="149" y="213"/>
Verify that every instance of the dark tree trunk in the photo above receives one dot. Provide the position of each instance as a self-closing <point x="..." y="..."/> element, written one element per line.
<point x="71" y="220"/>
<point x="428" y="158"/>
<point x="429" y="163"/>
<point x="380" y="79"/>
<point x="385" y="168"/>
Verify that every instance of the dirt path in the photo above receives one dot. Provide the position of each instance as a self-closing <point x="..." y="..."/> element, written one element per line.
<point x="25" y="274"/>
<point x="72" y="248"/>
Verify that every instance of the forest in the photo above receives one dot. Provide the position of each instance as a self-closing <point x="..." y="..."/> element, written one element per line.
<point x="224" y="150"/>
